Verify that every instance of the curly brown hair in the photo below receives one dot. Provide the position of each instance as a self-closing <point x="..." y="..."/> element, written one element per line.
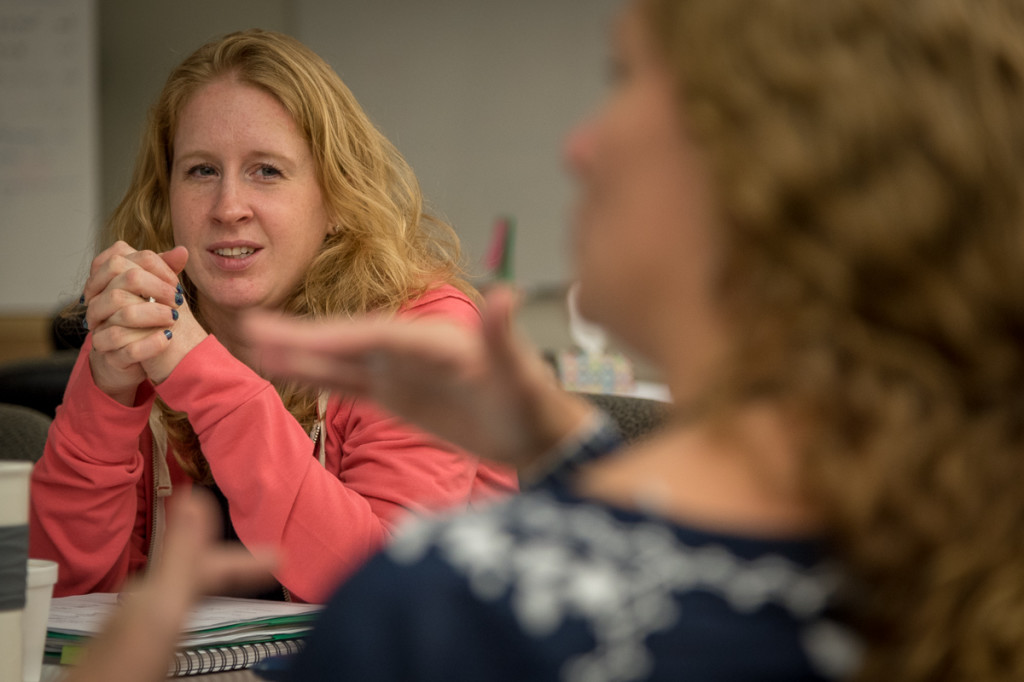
<point x="868" y="157"/>
<point x="387" y="248"/>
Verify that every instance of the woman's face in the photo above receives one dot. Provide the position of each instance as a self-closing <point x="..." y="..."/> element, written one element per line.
<point x="642" y="226"/>
<point x="244" y="198"/>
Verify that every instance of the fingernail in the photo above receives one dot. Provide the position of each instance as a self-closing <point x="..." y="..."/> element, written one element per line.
<point x="174" y="314"/>
<point x="168" y="334"/>
<point x="180" y="290"/>
<point x="178" y="299"/>
<point x="85" y="323"/>
<point x="81" y="301"/>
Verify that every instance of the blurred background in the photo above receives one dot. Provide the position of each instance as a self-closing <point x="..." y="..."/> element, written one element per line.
<point x="477" y="94"/>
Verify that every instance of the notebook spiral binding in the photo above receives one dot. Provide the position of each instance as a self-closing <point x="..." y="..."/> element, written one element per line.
<point x="224" y="658"/>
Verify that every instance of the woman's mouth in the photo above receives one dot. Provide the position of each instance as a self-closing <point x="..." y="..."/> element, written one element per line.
<point x="235" y="252"/>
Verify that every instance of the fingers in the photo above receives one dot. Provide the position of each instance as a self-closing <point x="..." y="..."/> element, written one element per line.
<point x="120" y="308"/>
<point x="128" y="329"/>
<point x="489" y="393"/>
<point x="508" y="352"/>
<point x="132" y="275"/>
<point x="122" y="347"/>
<point x="143" y="273"/>
<point x="116" y="357"/>
<point x="141" y="634"/>
<point x="175" y="258"/>
<point x="193" y="552"/>
<point x="133" y="299"/>
<point x="499" y="336"/>
<point x="119" y="248"/>
<point x="315" y="368"/>
<point x="231" y="569"/>
<point x="357" y="356"/>
<point x="133" y="302"/>
<point x="197" y="524"/>
<point x="333" y="355"/>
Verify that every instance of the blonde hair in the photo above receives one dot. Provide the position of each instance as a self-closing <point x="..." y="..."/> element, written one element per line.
<point x="385" y="250"/>
<point x="869" y="161"/>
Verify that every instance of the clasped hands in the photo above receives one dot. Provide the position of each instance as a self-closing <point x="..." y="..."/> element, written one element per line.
<point x="141" y="325"/>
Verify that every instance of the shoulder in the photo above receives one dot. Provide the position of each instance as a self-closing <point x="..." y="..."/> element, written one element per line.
<point x="444" y="301"/>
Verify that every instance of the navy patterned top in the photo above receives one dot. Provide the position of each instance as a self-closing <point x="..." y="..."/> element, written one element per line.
<point x="551" y="586"/>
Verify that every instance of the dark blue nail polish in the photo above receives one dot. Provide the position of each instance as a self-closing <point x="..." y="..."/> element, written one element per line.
<point x="180" y="290"/>
<point x="174" y="314"/>
<point x="81" y="301"/>
<point x="85" y="323"/>
<point x="168" y="334"/>
<point x="178" y="299"/>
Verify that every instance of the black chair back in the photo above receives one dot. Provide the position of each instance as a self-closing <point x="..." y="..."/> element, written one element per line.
<point x="37" y="382"/>
<point x="22" y="433"/>
<point x="635" y="417"/>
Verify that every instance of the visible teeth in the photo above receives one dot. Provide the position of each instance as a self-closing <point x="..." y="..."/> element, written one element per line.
<point x="235" y="251"/>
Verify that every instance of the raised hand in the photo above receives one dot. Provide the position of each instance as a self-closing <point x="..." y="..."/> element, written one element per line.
<point x="139" y="640"/>
<point x="133" y="302"/>
<point x="489" y="392"/>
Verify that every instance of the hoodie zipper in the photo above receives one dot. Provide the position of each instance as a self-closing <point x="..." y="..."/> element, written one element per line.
<point x="154" y="521"/>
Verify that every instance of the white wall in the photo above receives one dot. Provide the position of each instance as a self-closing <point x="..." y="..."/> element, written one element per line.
<point x="478" y="95"/>
<point x="49" y="170"/>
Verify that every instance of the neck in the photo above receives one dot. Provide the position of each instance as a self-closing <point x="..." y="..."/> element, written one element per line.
<point x="741" y="475"/>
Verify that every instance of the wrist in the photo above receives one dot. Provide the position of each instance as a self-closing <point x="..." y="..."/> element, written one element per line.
<point x="593" y="438"/>
<point x="113" y="383"/>
<point x="183" y="339"/>
<point x="561" y="419"/>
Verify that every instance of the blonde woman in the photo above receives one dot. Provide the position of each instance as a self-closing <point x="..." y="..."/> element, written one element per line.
<point x="260" y="184"/>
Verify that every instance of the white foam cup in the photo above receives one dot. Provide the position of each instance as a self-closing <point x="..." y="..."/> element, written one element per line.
<point x="42" y="574"/>
<point x="14" y="541"/>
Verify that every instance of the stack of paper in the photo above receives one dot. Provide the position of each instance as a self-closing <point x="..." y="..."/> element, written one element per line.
<point x="222" y="633"/>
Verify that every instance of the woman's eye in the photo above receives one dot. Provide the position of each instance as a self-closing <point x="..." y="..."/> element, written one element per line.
<point x="202" y="170"/>
<point x="268" y="171"/>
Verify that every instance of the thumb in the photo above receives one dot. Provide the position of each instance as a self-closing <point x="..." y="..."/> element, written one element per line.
<point x="176" y="258"/>
<point x="504" y="347"/>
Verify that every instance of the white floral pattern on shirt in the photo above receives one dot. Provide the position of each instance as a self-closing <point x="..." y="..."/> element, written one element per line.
<point x="558" y="560"/>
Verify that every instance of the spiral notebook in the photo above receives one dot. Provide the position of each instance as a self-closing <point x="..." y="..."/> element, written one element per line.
<point x="216" y="659"/>
<point x="222" y="633"/>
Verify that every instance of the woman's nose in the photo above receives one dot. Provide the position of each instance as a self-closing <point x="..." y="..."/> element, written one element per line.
<point x="578" y="147"/>
<point x="232" y="205"/>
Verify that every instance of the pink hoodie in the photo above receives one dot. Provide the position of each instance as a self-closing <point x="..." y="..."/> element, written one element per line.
<point x="94" y="508"/>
